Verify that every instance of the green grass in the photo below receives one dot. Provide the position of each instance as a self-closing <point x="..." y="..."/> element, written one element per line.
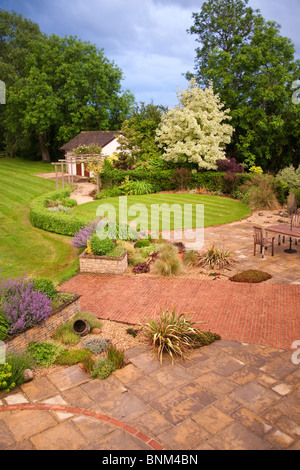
<point x="23" y="247"/>
<point x="217" y="210"/>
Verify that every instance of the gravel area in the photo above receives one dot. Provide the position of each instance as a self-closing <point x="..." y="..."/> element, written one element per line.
<point x="116" y="332"/>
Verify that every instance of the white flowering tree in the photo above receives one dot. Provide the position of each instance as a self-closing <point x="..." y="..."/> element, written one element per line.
<point x="196" y="129"/>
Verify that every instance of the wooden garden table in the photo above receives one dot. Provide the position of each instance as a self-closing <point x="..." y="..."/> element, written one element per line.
<point x="286" y="230"/>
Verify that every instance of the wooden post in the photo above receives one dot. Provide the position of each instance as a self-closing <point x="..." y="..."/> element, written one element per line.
<point x="62" y="175"/>
<point x="56" y="177"/>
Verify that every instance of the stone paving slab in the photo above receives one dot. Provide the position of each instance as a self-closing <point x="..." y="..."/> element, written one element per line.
<point x="222" y="400"/>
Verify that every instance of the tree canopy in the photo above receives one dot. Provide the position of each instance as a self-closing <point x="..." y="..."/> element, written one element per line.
<point x="252" y="68"/>
<point x="57" y="87"/>
<point x="196" y="130"/>
<point x="137" y="143"/>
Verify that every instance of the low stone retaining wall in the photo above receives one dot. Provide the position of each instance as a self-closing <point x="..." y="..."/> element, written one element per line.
<point x="44" y="330"/>
<point x="102" y="264"/>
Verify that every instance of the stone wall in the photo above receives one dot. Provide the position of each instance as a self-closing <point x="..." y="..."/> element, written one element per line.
<point x="102" y="264"/>
<point x="44" y="330"/>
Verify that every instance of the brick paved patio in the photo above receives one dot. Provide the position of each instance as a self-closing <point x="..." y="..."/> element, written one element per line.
<point x="264" y="314"/>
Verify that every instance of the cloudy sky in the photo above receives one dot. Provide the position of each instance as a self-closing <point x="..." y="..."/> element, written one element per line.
<point x="147" y="39"/>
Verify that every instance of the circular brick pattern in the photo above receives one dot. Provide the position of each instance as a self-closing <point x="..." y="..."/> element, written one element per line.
<point x="91" y="414"/>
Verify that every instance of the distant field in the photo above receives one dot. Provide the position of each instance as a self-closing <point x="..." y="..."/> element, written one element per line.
<point x="217" y="210"/>
<point x="23" y="247"/>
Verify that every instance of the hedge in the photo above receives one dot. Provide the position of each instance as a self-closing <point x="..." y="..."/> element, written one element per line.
<point x="57" y="222"/>
<point x="162" y="179"/>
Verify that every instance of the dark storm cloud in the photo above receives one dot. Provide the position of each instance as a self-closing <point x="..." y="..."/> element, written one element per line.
<point x="146" y="39"/>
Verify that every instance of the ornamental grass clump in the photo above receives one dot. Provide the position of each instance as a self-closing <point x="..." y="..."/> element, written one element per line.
<point x="175" y="334"/>
<point x="219" y="258"/>
<point x="168" y="263"/>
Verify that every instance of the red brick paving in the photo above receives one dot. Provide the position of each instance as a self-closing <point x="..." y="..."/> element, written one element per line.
<point x="264" y="314"/>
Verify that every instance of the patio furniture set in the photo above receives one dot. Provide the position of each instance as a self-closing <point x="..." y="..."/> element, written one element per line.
<point x="263" y="240"/>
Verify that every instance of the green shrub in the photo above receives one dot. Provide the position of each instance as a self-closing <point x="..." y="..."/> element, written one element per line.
<point x="115" y="356"/>
<point x="19" y="363"/>
<point x="67" y="202"/>
<point x="46" y="286"/>
<point x="175" y="334"/>
<point x="72" y="357"/>
<point x="57" y="222"/>
<point x="290" y="176"/>
<point x="101" y="247"/>
<point x="6" y="377"/>
<point x="45" y="353"/>
<point x="136" y="188"/>
<point x="111" y="192"/>
<point x="142" y="243"/>
<point x="102" y="369"/>
<point x="65" y="335"/>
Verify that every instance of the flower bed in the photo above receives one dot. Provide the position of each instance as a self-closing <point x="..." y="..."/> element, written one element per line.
<point x="103" y="264"/>
<point x="46" y="328"/>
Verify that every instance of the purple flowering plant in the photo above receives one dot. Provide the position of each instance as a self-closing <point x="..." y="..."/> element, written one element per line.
<point x="84" y="234"/>
<point x="21" y="305"/>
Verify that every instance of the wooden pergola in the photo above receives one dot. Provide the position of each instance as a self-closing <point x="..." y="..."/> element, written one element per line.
<point x="66" y="167"/>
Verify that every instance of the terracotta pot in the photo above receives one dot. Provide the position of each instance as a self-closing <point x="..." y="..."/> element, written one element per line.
<point x="81" y="327"/>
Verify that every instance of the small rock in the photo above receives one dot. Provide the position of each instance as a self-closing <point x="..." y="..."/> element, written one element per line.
<point x="269" y="217"/>
<point x="28" y="375"/>
<point x="96" y="331"/>
<point x="260" y="214"/>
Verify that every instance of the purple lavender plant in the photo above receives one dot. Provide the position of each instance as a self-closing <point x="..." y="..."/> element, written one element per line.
<point x="84" y="234"/>
<point x="22" y="306"/>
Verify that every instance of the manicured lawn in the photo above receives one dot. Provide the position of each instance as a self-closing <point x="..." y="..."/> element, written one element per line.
<point x="217" y="210"/>
<point x="23" y="247"/>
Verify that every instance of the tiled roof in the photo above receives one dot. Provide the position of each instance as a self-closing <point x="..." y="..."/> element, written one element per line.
<point x="100" y="138"/>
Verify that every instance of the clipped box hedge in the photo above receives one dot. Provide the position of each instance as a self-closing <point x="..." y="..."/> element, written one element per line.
<point x="211" y="180"/>
<point x="57" y="222"/>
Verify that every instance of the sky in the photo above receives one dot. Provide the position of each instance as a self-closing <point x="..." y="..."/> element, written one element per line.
<point x="147" y="39"/>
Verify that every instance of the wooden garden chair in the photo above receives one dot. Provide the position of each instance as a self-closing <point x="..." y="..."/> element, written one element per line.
<point x="263" y="241"/>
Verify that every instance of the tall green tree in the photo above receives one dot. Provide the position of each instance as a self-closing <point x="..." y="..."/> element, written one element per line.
<point x="16" y="35"/>
<point x="252" y="68"/>
<point x="137" y="142"/>
<point x="66" y="86"/>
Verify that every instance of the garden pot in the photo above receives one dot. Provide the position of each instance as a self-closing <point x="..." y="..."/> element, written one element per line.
<point x="81" y="327"/>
